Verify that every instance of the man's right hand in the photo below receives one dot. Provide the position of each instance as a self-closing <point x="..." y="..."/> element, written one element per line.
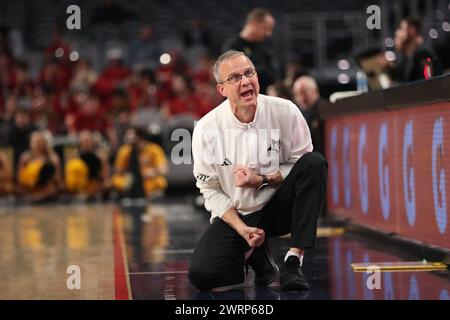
<point x="254" y="236"/>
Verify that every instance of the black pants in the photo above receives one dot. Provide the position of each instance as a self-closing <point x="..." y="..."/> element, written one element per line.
<point x="219" y="256"/>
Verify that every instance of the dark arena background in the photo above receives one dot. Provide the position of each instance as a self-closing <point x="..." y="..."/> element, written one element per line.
<point x="82" y="81"/>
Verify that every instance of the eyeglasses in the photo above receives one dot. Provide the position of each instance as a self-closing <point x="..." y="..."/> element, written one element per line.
<point x="236" y="78"/>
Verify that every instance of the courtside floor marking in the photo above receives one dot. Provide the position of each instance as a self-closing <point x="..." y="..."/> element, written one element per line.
<point x="402" y="266"/>
<point x="121" y="279"/>
<point x="323" y="232"/>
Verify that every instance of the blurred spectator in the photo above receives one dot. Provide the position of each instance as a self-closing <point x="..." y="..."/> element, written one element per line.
<point x="197" y="41"/>
<point x="89" y="117"/>
<point x="4" y="131"/>
<point x="6" y="174"/>
<point x="115" y="74"/>
<point x="203" y="71"/>
<point x="84" y="76"/>
<point x="195" y="35"/>
<point x="258" y="27"/>
<point x="16" y="42"/>
<point x="140" y="166"/>
<point x="119" y="101"/>
<point x="307" y="98"/>
<point x="19" y="134"/>
<point x="7" y="67"/>
<point x="39" y="170"/>
<point x="23" y="85"/>
<point x="294" y="70"/>
<point x="119" y="116"/>
<point x="57" y="48"/>
<point x="48" y="111"/>
<point x="144" y="52"/>
<point x="377" y="68"/>
<point x="414" y="59"/>
<point x="183" y="98"/>
<point x="279" y="89"/>
<point x="166" y="72"/>
<point x="55" y="75"/>
<point x="121" y="123"/>
<point x="87" y="173"/>
<point x="11" y="105"/>
<point x="208" y="98"/>
<point x="143" y="90"/>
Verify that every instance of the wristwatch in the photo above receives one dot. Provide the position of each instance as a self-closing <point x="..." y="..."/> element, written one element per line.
<point x="265" y="182"/>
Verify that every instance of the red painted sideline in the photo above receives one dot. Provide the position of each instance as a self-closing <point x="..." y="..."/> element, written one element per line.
<point x="120" y="277"/>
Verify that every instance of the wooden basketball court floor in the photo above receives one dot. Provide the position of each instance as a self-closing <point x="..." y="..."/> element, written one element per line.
<point x="142" y="252"/>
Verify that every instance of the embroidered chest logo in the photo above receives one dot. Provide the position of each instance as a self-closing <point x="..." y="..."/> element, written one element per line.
<point x="226" y="162"/>
<point x="274" y="145"/>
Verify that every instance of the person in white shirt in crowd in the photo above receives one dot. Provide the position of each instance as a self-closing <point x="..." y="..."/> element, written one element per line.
<point x="254" y="165"/>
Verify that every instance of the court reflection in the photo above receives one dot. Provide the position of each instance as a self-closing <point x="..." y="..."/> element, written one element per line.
<point x="404" y="285"/>
<point x="39" y="243"/>
<point x="160" y="239"/>
<point x="147" y="235"/>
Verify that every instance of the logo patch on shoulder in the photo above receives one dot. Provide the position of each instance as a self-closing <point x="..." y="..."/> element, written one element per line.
<point x="202" y="177"/>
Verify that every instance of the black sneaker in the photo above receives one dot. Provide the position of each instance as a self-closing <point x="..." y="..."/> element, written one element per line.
<point x="266" y="271"/>
<point x="291" y="276"/>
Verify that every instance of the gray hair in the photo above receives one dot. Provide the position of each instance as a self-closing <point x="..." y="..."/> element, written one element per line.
<point x="225" y="56"/>
<point x="307" y="81"/>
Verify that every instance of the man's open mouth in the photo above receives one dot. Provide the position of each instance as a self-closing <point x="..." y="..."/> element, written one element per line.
<point x="247" y="93"/>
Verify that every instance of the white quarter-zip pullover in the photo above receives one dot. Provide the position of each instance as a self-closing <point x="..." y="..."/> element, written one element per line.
<point x="276" y="138"/>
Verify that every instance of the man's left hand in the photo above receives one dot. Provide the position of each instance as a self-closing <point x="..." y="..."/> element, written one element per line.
<point x="245" y="177"/>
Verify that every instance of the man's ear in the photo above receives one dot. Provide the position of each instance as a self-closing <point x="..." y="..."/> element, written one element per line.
<point x="221" y="90"/>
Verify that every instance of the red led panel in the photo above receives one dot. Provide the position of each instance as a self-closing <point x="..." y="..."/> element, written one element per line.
<point x="391" y="170"/>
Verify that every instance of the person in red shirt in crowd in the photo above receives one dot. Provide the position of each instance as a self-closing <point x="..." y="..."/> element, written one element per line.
<point x="6" y="76"/>
<point x="89" y="116"/>
<point x="205" y="88"/>
<point x="48" y="110"/>
<point x="23" y="85"/>
<point x="57" y="68"/>
<point x="15" y="82"/>
<point x="203" y="71"/>
<point x="183" y="100"/>
<point x="57" y="47"/>
<point x="163" y="79"/>
<point x="115" y="75"/>
<point x="55" y="75"/>
<point x="143" y="90"/>
<point x="165" y="73"/>
<point x="209" y="97"/>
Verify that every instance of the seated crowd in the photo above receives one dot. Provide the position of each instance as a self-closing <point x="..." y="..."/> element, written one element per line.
<point x="138" y="170"/>
<point x="100" y="117"/>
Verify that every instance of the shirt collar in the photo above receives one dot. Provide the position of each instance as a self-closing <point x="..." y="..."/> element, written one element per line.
<point x="236" y="121"/>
